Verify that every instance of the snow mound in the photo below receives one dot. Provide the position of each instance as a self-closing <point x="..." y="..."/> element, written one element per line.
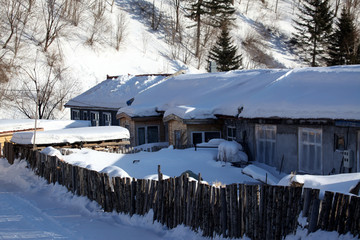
<point x="50" y="151"/>
<point x="231" y="151"/>
<point x="114" y="171"/>
<point x="260" y="174"/>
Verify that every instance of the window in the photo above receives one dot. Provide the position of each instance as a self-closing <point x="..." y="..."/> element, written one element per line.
<point x="94" y="117"/>
<point x="310" y="150"/>
<point x="199" y="137"/>
<point x="339" y="142"/>
<point x="231" y="133"/>
<point x="75" y="114"/>
<point x="85" y="115"/>
<point x="148" y="134"/>
<point x="107" y="119"/>
<point x="265" y="143"/>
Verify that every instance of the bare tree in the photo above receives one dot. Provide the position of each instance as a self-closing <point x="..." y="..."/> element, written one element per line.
<point x="156" y="16"/>
<point x="52" y="13"/>
<point x="73" y="10"/>
<point x="120" y="29"/>
<point x="99" y="25"/>
<point x="45" y="88"/>
<point x="15" y="15"/>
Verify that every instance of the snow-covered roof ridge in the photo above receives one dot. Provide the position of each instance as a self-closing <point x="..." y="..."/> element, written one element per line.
<point x="322" y="92"/>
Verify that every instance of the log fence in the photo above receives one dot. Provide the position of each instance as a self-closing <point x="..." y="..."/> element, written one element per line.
<point x="257" y="211"/>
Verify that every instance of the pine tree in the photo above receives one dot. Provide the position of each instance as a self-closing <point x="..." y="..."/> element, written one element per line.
<point x="221" y="11"/>
<point x="224" y="53"/>
<point x="313" y="30"/>
<point x="197" y="10"/>
<point x="344" y="44"/>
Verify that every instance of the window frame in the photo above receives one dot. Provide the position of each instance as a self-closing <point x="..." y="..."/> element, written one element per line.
<point x="233" y="132"/>
<point x="75" y="112"/>
<point x="107" y="114"/>
<point x="97" y="121"/>
<point x="266" y="143"/>
<point x="146" y="134"/>
<point x="203" y="135"/>
<point x="304" y="163"/>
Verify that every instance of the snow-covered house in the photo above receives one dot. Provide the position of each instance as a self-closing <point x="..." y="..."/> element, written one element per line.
<point x="305" y="120"/>
<point x="101" y="103"/>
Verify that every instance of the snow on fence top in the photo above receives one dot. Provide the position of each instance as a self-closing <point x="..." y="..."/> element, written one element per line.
<point x="324" y="92"/>
<point x="7" y="125"/>
<point x="86" y="134"/>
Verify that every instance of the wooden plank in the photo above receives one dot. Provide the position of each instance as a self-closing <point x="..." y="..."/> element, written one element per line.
<point x="326" y="210"/>
<point x="223" y="212"/>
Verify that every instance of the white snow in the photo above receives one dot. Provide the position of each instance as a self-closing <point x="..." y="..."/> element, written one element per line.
<point x="231" y="151"/>
<point x="341" y="183"/>
<point x="33" y="209"/>
<point x="173" y="163"/>
<point x="260" y="174"/>
<point x="114" y="93"/>
<point x="87" y="134"/>
<point x="324" y="92"/>
<point x="24" y="124"/>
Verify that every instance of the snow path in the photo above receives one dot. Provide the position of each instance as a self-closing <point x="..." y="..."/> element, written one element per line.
<point x="32" y="209"/>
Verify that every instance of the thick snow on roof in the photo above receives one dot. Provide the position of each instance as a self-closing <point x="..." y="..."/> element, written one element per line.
<point x="114" y="93"/>
<point x="24" y="124"/>
<point x="201" y="95"/>
<point x="86" y="134"/>
<point x="328" y="92"/>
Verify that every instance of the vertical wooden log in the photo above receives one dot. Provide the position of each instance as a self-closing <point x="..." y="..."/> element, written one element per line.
<point x="133" y="197"/>
<point x="352" y="213"/>
<point x="306" y="201"/>
<point x="314" y="214"/>
<point x="269" y="190"/>
<point x="223" y="214"/>
<point x="326" y="210"/>
<point x="343" y="216"/>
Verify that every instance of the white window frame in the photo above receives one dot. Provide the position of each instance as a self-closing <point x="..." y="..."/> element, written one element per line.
<point x="314" y="142"/>
<point x="96" y="119"/>
<point x="203" y="135"/>
<point x="146" y="133"/>
<point x="265" y="138"/>
<point x="77" y="113"/>
<point x="233" y="131"/>
<point x="107" y="115"/>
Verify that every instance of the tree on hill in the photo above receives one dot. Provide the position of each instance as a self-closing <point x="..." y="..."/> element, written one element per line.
<point x="313" y="30"/>
<point x="224" y="53"/>
<point x="344" y="46"/>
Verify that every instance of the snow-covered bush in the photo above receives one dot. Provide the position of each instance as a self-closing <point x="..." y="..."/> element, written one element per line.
<point x="231" y="151"/>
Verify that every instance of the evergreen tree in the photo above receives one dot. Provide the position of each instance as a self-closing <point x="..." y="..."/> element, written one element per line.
<point x="224" y="53"/>
<point x="313" y="30"/>
<point x="211" y="13"/>
<point x="197" y="10"/>
<point x="221" y="11"/>
<point x="344" y="45"/>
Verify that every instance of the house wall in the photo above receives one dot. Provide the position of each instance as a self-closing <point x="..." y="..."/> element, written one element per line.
<point x="133" y="125"/>
<point x="126" y="122"/>
<point x="186" y="130"/>
<point x="287" y="144"/>
<point x="114" y="121"/>
<point x="173" y="126"/>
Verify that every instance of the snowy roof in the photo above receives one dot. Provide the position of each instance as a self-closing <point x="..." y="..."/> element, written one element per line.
<point x="113" y="93"/>
<point x="85" y="134"/>
<point x="7" y="125"/>
<point x="328" y="92"/>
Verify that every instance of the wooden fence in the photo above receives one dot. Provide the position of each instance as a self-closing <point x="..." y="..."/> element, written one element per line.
<point x="257" y="211"/>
